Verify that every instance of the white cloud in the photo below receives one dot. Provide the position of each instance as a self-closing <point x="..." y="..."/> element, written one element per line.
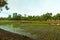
<point x="35" y="7"/>
<point x="3" y="15"/>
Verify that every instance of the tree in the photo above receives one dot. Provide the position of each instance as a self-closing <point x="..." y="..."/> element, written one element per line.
<point x="56" y="17"/>
<point x="37" y="18"/>
<point x="30" y="18"/>
<point x="46" y="16"/>
<point x="19" y="17"/>
<point x="3" y="3"/>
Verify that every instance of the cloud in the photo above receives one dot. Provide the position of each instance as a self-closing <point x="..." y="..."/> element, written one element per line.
<point x="33" y="7"/>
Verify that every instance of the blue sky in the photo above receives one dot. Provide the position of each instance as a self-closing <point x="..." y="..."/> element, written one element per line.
<point x="32" y="7"/>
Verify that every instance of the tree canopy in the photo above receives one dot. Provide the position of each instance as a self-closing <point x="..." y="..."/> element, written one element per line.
<point x="44" y="17"/>
<point x="3" y="3"/>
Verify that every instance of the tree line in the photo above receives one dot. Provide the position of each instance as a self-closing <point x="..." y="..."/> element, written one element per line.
<point x="44" y="17"/>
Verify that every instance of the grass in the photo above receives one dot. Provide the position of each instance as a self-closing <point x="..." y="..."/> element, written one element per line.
<point x="43" y="30"/>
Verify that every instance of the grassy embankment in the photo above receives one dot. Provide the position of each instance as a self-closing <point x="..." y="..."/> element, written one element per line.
<point x="30" y="22"/>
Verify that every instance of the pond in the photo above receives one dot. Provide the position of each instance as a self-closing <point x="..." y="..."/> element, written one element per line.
<point x="37" y="32"/>
<point x="19" y="30"/>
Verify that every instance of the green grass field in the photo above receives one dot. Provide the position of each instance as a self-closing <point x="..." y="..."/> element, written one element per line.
<point x="45" y="30"/>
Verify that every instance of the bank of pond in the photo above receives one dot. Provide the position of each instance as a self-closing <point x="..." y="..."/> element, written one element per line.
<point x="37" y="32"/>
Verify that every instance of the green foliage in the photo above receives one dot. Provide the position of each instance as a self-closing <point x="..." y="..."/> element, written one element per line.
<point x="19" y="17"/>
<point x="44" y="17"/>
<point x="3" y="3"/>
<point x="57" y="17"/>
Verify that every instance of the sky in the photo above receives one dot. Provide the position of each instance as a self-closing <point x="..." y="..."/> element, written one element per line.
<point x="32" y="7"/>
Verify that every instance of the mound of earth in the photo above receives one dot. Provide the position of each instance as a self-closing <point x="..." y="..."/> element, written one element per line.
<point x="5" y="35"/>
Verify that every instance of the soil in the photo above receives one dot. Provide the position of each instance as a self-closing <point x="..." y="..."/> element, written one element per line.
<point x="6" y="35"/>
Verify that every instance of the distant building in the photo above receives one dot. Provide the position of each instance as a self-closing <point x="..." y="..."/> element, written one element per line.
<point x="25" y="15"/>
<point x="14" y="15"/>
<point x="9" y="16"/>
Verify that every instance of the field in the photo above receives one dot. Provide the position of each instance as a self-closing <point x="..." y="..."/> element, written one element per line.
<point x="45" y="30"/>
